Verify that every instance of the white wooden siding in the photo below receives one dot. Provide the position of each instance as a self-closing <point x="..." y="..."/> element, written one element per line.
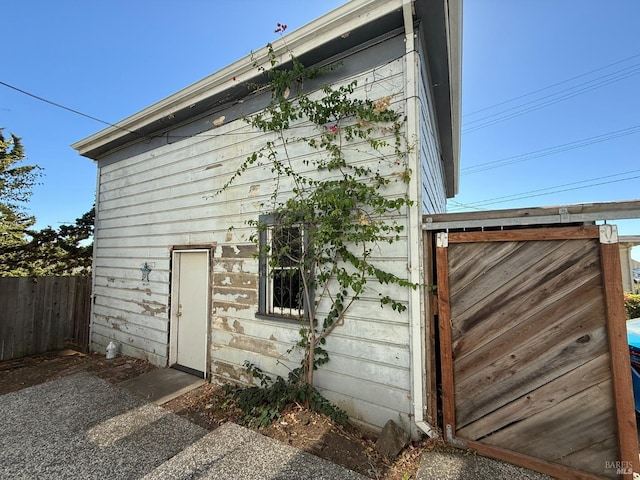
<point x="434" y="198"/>
<point x="166" y="197"/>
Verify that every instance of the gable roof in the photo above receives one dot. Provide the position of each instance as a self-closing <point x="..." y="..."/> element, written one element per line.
<point x="353" y="24"/>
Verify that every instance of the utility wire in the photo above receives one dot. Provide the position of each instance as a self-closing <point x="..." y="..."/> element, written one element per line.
<point x="550" y="86"/>
<point x="555" y="189"/>
<point x="630" y="70"/>
<point x="68" y="109"/>
<point x="540" y="103"/>
<point x="605" y="137"/>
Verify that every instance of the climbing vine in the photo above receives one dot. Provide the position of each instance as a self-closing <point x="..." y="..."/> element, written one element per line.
<point x="335" y="159"/>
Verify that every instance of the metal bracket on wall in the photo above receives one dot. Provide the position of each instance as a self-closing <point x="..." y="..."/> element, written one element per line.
<point x="442" y="240"/>
<point x="454" y="441"/>
<point x="608" y="234"/>
<point x="564" y="214"/>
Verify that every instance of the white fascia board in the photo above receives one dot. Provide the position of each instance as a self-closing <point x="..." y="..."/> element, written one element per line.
<point x="454" y="35"/>
<point x="336" y="23"/>
<point x="632" y="240"/>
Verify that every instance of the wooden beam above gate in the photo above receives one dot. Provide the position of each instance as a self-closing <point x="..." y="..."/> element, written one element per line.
<point x="568" y="214"/>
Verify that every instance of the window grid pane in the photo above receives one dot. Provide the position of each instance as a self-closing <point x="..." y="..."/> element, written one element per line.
<point x="284" y="281"/>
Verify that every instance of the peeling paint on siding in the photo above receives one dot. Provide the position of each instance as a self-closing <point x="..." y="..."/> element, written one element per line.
<point x="229" y="307"/>
<point x="241" y="280"/>
<point x="149" y="308"/>
<point x="222" y="323"/>
<point x="233" y="287"/>
<point x="228" y="266"/>
<point x="255" y="345"/>
<point x="231" y="372"/>
<point x="238" y="251"/>
<point x="237" y="326"/>
<point x="231" y="296"/>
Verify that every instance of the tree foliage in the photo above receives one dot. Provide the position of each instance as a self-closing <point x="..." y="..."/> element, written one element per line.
<point x="16" y="180"/>
<point x="344" y="209"/>
<point x="23" y="250"/>
<point x="50" y="252"/>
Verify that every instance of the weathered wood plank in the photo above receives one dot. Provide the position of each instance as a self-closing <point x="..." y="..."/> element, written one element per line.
<point x="533" y="379"/>
<point x="573" y="424"/>
<point x="38" y="316"/>
<point x="431" y="311"/>
<point x="468" y="262"/>
<point x="9" y="289"/>
<point x="536" y="332"/>
<point x="444" y="328"/>
<point x="620" y="363"/>
<point x="532" y="367"/>
<point x="555" y="276"/>
<point x="80" y="304"/>
<point x="597" y="454"/>
<point x="540" y="399"/>
<point x="530" y="462"/>
<point x="23" y="338"/>
<point x="502" y="276"/>
<point x="535" y="216"/>
<point x="64" y="310"/>
<point x="526" y="235"/>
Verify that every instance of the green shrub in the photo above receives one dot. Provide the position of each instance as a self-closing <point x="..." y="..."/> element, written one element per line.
<point x="265" y="403"/>
<point x="632" y="304"/>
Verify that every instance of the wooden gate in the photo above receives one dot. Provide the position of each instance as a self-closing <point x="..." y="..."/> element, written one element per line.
<point x="534" y="357"/>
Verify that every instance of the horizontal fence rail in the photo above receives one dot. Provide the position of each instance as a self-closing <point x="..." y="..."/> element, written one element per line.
<point x="43" y="314"/>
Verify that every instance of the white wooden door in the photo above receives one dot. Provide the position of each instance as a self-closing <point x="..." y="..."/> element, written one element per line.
<point x="190" y="311"/>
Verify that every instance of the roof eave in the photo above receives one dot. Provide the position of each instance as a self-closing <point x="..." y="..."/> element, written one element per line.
<point x="454" y="24"/>
<point x="332" y="25"/>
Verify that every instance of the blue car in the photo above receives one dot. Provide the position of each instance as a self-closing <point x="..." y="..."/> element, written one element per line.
<point x="633" y="337"/>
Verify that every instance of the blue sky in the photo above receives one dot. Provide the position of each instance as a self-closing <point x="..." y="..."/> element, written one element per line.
<point x="111" y="59"/>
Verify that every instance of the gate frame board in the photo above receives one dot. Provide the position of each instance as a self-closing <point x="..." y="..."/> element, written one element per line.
<point x="615" y="321"/>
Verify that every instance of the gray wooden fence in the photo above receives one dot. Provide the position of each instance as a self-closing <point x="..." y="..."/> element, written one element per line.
<point x="43" y="314"/>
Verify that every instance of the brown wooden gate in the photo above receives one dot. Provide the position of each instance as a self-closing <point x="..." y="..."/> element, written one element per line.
<point x="534" y="356"/>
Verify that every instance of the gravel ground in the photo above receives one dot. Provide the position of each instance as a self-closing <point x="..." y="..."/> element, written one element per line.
<point x="453" y="464"/>
<point x="81" y="427"/>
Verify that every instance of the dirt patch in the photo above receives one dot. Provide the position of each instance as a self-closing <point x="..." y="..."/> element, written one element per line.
<point x="209" y="407"/>
<point x="346" y="445"/>
<point x="28" y="371"/>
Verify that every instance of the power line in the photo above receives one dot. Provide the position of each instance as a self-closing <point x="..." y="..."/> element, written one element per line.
<point x="551" y="86"/>
<point x="167" y="134"/>
<point x="464" y="205"/>
<point x="633" y="68"/>
<point x="540" y="103"/>
<point x="605" y="137"/>
<point x="555" y="189"/>
<point x="77" y="112"/>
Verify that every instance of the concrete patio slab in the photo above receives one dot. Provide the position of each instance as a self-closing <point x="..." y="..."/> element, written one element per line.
<point x="162" y="385"/>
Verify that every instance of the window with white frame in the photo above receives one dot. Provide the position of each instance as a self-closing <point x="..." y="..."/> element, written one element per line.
<point x="281" y="289"/>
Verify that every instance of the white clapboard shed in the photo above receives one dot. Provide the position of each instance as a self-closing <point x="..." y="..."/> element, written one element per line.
<point x="173" y="285"/>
